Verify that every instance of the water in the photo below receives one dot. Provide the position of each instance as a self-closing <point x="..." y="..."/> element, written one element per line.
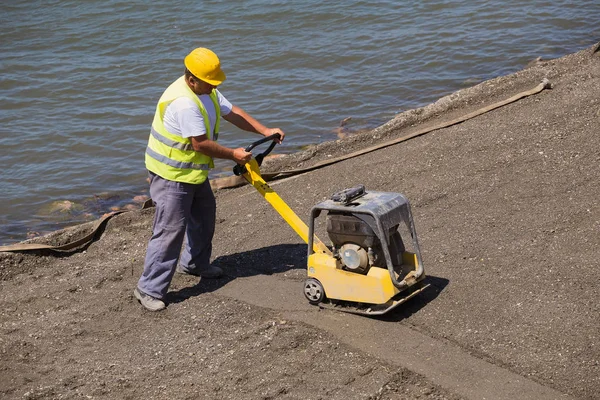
<point x="79" y="80"/>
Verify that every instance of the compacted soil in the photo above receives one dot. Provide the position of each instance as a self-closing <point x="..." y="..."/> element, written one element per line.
<point x="507" y="210"/>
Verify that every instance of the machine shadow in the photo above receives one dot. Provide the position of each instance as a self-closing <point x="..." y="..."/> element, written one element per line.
<point x="414" y="305"/>
<point x="264" y="261"/>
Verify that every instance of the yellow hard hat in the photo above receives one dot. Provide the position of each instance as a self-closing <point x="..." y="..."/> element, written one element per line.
<point x="205" y="65"/>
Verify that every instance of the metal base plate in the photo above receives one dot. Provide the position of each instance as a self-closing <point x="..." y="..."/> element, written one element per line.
<point x="374" y="309"/>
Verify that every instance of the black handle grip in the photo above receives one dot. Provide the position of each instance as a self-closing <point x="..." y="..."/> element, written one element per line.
<point x="263" y="140"/>
<point x="240" y="169"/>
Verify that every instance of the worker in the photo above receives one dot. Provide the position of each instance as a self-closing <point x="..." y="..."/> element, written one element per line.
<point x="180" y="152"/>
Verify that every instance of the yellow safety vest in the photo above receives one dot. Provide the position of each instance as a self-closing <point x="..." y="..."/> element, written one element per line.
<point x="172" y="156"/>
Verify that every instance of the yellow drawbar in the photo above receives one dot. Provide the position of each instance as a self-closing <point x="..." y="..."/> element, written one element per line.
<point x="252" y="175"/>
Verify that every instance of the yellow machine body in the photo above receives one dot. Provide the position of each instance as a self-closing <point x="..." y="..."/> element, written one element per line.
<point x="376" y="287"/>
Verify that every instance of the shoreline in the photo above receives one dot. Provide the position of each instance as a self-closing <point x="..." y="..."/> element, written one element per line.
<point x="451" y="106"/>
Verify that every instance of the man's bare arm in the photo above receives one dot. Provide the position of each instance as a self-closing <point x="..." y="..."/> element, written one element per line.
<point x="212" y="149"/>
<point x="245" y="121"/>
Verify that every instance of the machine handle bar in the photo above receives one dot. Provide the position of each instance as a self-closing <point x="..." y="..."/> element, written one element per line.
<point x="240" y="169"/>
<point x="263" y="140"/>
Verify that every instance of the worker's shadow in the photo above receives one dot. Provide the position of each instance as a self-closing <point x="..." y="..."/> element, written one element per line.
<point x="264" y="261"/>
<point x="286" y="257"/>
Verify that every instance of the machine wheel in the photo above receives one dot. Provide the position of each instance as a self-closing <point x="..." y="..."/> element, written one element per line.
<point x="313" y="291"/>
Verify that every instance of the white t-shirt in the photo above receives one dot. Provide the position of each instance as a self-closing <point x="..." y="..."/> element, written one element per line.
<point x="182" y="116"/>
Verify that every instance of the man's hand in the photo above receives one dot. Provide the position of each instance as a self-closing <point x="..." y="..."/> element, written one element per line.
<point x="213" y="149"/>
<point x="241" y="156"/>
<point x="272" y="131"/>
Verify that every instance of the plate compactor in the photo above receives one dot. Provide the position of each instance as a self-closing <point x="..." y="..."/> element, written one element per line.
<point x="367" y="270"/>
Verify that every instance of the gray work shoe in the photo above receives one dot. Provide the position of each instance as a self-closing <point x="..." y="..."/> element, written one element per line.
<point x="150" y="303"/>
<point x="211" y="272"/>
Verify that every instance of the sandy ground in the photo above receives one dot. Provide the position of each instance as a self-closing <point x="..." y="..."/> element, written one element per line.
<point x="507" y="211"/>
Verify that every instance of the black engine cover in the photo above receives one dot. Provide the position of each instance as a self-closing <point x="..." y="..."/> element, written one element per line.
<point x="346" y="228"/>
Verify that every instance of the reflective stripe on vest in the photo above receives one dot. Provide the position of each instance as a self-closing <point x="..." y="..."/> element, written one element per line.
<point x="172" y="156"/>
<point x="170" y="143"/>
<point x="176" y="164"/>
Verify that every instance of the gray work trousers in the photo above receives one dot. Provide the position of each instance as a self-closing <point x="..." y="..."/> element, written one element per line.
<point x="183" y="210"/>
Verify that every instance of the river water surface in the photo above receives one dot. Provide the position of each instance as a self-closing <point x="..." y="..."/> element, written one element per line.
<point x="79" y="80"/>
